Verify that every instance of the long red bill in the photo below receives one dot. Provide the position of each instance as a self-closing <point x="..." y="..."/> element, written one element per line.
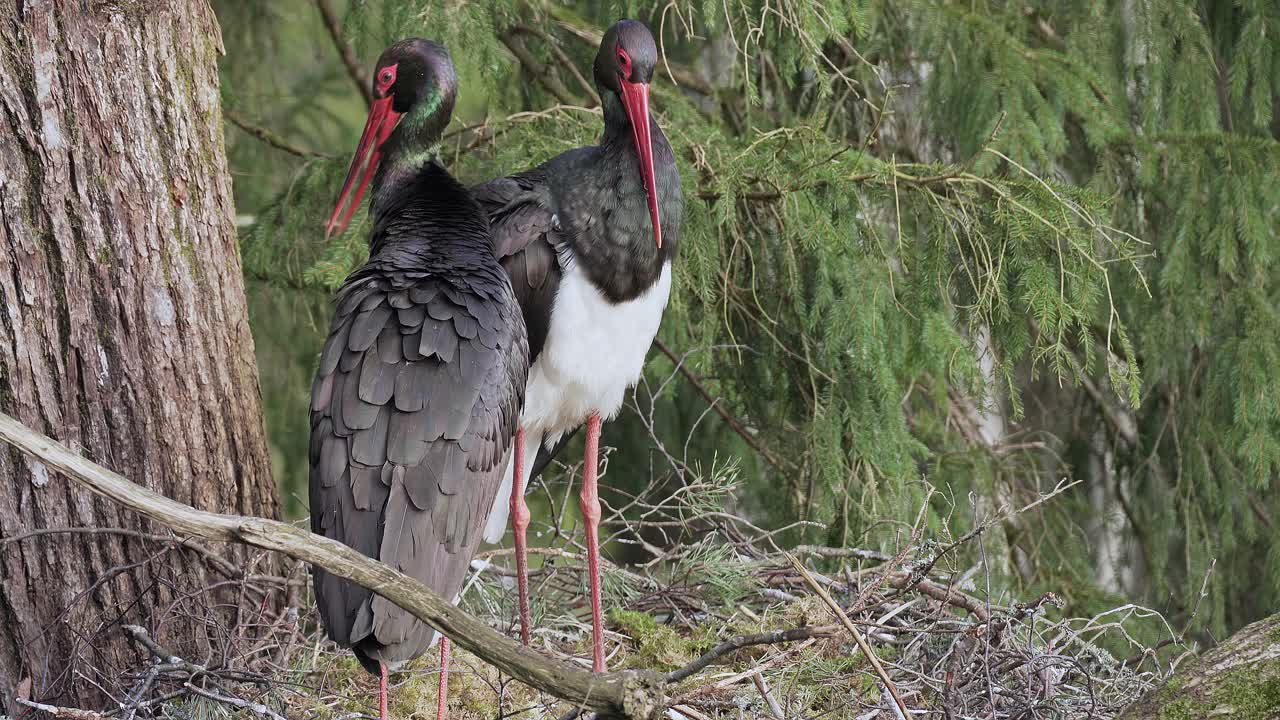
<point x="382" y="120"/>
<point x="635" y="100"/>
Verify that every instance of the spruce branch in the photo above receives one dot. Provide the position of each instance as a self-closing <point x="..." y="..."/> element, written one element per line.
<point x="591" y="36"/>
<point x="565" y="61"/>
<point x="773" y="637"/>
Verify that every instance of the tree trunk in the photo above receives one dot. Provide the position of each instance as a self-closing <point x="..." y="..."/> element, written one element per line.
<point x="124" y="332"/>
<point x="1240" y="678"/>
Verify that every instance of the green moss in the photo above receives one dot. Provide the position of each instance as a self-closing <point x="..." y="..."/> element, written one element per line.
<point x="1249" y="693"/>
<point x="1182" y="709"/>
<point x="656" y="646"/>
<point x="1243" y="693"/>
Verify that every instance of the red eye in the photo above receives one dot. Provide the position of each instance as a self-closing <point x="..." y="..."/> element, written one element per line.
<point x="386" y="76"/>
<point x="624" y="62"/>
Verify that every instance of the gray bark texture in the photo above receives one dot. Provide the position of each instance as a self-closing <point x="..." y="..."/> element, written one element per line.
<point x="124" y="332"/>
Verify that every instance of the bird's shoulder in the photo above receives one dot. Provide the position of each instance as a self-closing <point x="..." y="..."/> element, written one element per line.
<point x="530" y="243"/>
<point x="413" y="359"/>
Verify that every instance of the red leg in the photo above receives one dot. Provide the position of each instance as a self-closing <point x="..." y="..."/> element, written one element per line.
<point x="590" y="504"/>
<point x="382" y="690"/>
<point x="442" y="704"/>
<point x="520" y="522"/>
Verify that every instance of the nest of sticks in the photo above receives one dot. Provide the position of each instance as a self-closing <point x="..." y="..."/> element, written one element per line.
<point x="740" y="626"/>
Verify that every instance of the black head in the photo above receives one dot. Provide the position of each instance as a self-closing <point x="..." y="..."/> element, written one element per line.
<point x="627" y="54"/>
<point x="624" y="67"/>
<point x="416" y="71"/>
<point x="414" y="88"/>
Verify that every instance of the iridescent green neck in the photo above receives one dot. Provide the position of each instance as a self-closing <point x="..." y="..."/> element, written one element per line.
<point x="416" y="140"/>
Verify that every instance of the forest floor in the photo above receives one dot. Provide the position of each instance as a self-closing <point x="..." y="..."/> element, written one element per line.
<point x="743" y="628"/>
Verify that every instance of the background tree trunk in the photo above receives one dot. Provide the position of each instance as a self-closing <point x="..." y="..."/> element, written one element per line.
<point x="1239" y="678"/>
<point x="124" y="333"/>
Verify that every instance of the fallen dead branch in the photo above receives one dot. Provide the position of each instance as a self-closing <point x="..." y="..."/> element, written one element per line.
<point x="704" y="609"/>
<point x="627" y="693"/>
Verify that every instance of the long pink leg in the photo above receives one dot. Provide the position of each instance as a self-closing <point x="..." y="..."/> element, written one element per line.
<point x="442" y="704"/>
<point x="382" y="690"/>
<point x="590" y="504"/>
<point x="520" y="522"/>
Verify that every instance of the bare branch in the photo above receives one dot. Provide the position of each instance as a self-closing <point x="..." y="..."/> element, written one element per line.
<point x="628" y="693"/>
<point x="715" y="404"/>
<point x="270" y="137"/>
<point x="857" y="636"/>
<point x="773" y="637"/>
<point x="542" y="72"/>
<point x="349" y="59"/>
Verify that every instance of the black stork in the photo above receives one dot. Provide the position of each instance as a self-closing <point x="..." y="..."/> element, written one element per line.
<point x="422" y="377"/>
<point x="588" y="238"/>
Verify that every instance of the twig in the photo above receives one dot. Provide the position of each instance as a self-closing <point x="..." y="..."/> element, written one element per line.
<point x="587" y="88"/>
<point x="269" y="137"/>
<point x="62" y="712"/>
<point x="773" y="637"/>
<point x="857" y="636"/>
<point x="774" y="708"/>
<point x="354" y="68"/>
<point x="628" y="693"/>
<point x="834" y="552"/>
<point x="541" y="72"/>
<point x="591" y="36"/>
<point x="253" y="707"/>
<point x="951" y="596"/>
<point x="140" y="636"/>
<point x="715" y="404"/>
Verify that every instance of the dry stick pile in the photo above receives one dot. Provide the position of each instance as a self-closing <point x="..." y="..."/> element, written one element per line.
<point x="741" y="627"/>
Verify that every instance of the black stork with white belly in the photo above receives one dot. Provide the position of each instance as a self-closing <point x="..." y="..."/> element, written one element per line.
<point x="588" y="238"/>
<point x="421" y="380"/>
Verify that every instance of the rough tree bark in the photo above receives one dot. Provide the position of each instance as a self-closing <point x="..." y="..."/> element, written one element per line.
<point x="124" y="332"/>
<point x="1239" y="678"/>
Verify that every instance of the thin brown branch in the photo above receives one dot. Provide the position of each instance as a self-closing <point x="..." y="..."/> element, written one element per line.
<point x="270" y="137"/>
<point x="773" y="637"/>
<point x="715" y="404"/>
<point x="219" y="563"/>
<point x="541" y="72"/>
<point x="627" y="693"/>
<point x="349" y="59"/>
<point x="588" y="89"/>
<point x="948" y="595"/>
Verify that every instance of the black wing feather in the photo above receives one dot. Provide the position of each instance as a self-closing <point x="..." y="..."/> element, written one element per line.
<point x="527" y="242"/>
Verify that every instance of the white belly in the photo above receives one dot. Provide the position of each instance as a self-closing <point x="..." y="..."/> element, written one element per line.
<point x="594" y="353"/>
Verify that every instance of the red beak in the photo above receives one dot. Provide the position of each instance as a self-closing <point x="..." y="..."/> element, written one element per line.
<point x="635" y="100"/>
<point x="382" y="120"/>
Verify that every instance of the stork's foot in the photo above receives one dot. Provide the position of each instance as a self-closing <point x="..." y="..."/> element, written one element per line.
<point x="442" y="700"/>
<point x="382" y="690"/>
